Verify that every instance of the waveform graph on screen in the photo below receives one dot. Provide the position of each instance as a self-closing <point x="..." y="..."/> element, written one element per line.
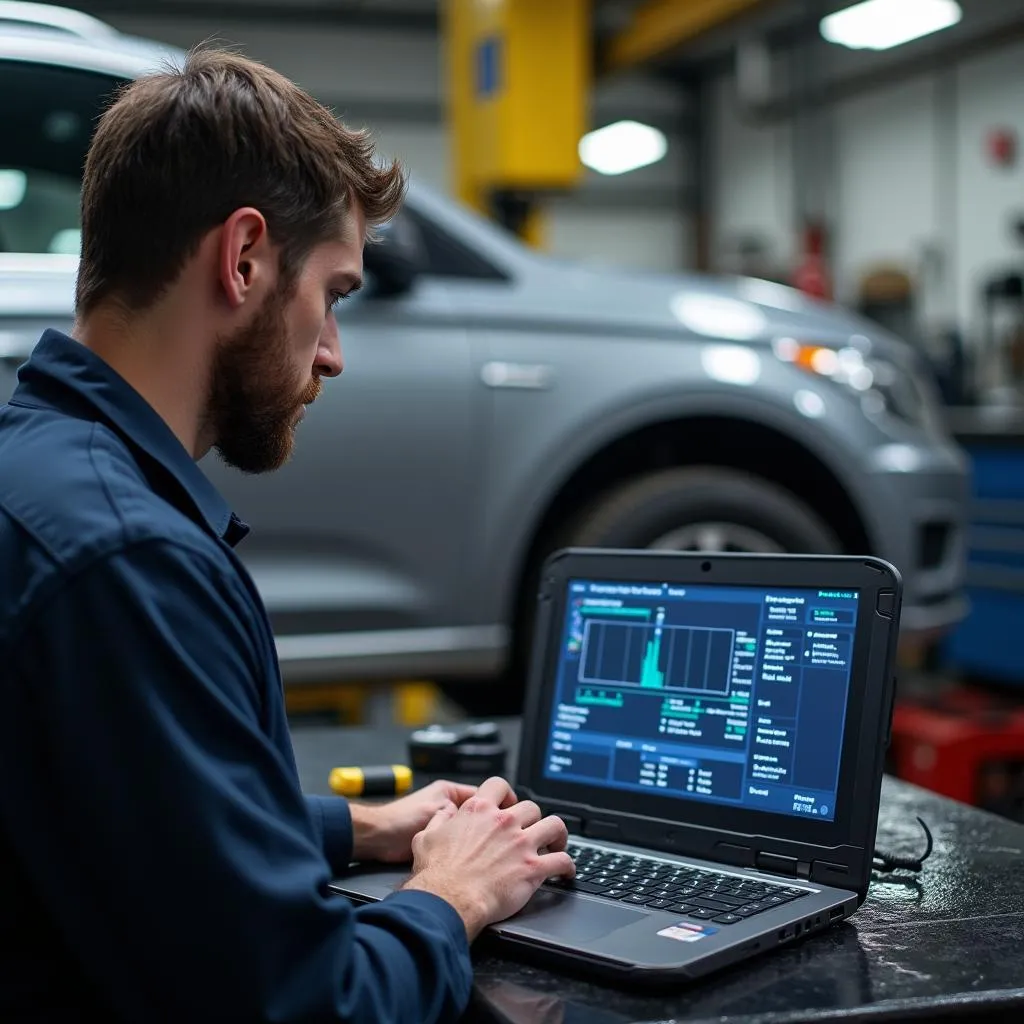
<point x="646" y="655"/>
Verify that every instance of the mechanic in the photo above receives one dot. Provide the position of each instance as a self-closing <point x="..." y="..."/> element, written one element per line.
<point x="158" y="861"/>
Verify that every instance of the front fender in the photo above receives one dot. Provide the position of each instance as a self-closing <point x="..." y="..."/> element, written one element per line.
<point x="512" y="527"/>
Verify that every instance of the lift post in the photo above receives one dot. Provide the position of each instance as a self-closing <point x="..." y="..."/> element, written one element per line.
<point x="518" y="85"/>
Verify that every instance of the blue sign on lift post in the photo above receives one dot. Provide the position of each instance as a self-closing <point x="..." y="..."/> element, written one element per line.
<point x="488" y="71"/>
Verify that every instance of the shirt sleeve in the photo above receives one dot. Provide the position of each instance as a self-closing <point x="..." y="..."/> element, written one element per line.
<point x="332" y="821"/>
<point x="167" y="833"/>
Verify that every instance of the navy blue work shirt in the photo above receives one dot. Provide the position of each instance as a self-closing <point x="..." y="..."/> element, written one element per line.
<point x="158" y="860"/>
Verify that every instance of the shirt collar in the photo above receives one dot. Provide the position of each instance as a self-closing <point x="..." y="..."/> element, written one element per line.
<point x="64" y="375"/>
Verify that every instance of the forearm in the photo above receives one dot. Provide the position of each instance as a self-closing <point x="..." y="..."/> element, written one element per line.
<point x="335" y="828"/>
<point x="416" y="961"/>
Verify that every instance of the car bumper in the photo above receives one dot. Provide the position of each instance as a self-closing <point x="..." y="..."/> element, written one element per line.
<point x="920" y="525"/>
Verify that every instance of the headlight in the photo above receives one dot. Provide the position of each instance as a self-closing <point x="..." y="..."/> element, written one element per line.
<point x="880" y="386"/>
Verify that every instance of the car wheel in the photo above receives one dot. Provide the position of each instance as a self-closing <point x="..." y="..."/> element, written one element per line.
<point x="704" y="509"/>
<point x="688" y="509"/>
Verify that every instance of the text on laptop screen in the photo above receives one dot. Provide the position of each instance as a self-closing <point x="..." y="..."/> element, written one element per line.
<point x="733" y="695"/>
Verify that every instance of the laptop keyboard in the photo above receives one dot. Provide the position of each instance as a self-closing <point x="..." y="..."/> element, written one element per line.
<point x="677" y="888"/>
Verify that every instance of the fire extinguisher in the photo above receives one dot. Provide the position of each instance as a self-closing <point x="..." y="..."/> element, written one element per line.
<point x="811" y="275"/>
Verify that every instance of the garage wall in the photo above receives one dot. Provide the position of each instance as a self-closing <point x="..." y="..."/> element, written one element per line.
<point x="392" y="81"/>
<point x="751" y="179"/>
<point x="990" y="94"/>
<point x="912" y="182"/>
<point x="886" y="206"/>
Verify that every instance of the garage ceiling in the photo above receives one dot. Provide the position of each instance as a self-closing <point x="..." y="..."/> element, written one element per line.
<point x="780" y="24"/>
<point x="402" y="15"/>
<point x="783" y="24"/>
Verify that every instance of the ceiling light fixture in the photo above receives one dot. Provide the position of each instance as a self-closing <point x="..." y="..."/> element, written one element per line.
<point x="882" y="24"/>
<point x="621" y="147"/>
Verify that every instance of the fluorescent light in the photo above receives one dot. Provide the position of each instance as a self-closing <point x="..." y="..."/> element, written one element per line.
<point x="12" y="188"/>
<point x="621" y="147"/>
<point x="881" y="24"/>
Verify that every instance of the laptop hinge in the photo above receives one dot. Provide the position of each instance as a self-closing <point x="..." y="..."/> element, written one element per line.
<point x="802" y="870"/>
<point x="776" y="864"/>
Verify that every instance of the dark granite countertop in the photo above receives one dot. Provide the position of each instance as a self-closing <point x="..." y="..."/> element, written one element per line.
<point x="945" y="943"/>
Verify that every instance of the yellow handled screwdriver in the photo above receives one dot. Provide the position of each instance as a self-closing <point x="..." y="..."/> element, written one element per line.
<point x="372" y="780"/>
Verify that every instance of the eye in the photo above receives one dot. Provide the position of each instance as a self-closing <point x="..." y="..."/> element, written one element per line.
<point x="335" y="299"/>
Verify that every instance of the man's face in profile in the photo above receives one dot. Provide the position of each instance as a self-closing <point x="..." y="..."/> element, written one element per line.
<point x="257" y="392"/>
<point x="267" y="371"/>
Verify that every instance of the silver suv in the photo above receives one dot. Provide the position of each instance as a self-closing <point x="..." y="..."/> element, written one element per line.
<point x="498" y="403"/>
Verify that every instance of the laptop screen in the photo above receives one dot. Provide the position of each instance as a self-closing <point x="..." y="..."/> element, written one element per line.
<point x="732" y="695"/>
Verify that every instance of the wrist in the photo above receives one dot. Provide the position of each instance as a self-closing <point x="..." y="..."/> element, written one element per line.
<point x="472" y="910"/>
<point x="368" y="832"/>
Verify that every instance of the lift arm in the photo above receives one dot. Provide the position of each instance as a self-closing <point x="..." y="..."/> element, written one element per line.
<point x="660" y="26"/>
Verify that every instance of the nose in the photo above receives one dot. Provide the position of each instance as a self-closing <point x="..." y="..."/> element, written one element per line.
<point x="328" y="350"/>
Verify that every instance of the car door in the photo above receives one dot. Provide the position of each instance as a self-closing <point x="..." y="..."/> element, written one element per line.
<point x="357" y="540"/>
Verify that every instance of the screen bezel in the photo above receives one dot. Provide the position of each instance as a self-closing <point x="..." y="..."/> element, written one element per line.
<point x="866" y="710"/>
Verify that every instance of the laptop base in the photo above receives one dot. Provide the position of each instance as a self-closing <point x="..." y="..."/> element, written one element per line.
<point x="633" y="946"/>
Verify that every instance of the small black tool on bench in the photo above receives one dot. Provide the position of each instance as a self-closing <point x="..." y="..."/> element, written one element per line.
<point x="472" y="750"/>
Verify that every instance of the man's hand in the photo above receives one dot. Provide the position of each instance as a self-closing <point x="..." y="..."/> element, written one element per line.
<point x="384" y="832"/>
<point x="489" y="856"/>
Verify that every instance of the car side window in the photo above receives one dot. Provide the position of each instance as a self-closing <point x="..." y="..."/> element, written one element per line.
<point x="446" y="256"/>
<point x="48" y="114"/>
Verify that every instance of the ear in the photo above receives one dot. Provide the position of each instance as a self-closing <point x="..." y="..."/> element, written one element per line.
<point x="246" y="262"/>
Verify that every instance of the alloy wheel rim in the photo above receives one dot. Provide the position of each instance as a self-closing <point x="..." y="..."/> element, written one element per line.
<point x="717" y="536"/>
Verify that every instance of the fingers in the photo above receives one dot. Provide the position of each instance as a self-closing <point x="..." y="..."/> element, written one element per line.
<point x="525" y="813"/>
<point x="498" y="791"/>
<point x="445" y="813"/>
<point x="557" y="865"/>
<point x="549" y="833"/>
<point x="459" y="793"/>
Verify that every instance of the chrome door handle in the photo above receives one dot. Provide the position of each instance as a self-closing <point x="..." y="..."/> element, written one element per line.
<point x="525" y="376"/>
<point x="16" y="347"/>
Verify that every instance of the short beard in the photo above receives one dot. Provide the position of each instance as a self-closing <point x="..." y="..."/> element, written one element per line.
<point x="254" y="393"/>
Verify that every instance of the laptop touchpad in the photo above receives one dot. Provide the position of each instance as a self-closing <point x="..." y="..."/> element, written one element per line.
<point x="560" y="915"/>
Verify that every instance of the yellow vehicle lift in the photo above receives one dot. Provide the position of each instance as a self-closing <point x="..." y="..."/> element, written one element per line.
<point x="518" y="83"/>
<point x="519" y="76"/>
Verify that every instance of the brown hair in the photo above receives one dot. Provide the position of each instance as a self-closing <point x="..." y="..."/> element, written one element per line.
<point x="180" y="150"/>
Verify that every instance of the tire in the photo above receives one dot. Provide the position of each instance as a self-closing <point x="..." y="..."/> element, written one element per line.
<point x="677" y="509"/>
<point x="650" y="509"/>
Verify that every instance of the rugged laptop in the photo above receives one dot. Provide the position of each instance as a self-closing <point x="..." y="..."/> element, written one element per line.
<point x="712" y="729"/>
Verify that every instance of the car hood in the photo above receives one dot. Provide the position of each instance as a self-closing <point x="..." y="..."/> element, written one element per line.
<point x="695" y="306"/>
<point x="542" y="290"/>
<point x="37" y="285"/>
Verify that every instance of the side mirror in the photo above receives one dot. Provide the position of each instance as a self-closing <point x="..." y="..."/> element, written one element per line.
<point x="395" y="258"/>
